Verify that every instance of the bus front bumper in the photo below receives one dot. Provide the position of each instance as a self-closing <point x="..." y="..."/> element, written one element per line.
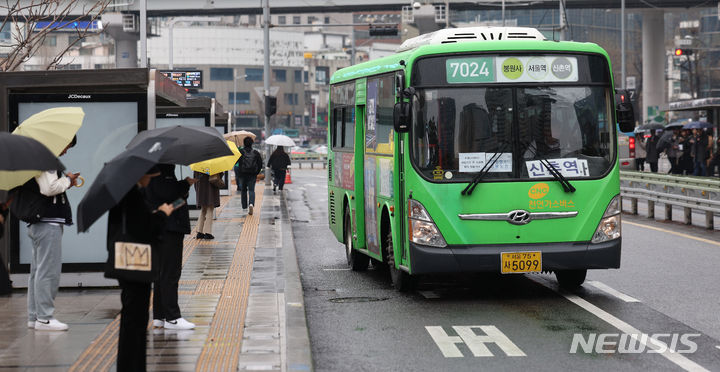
<point x="486" y="258"/>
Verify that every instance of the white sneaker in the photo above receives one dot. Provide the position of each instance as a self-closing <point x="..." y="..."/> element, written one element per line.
<point x="50" y="325"/>
<point x="158" y="323"/>
<point x="250" y="209"/>
<point x="179" y="323"/>
<point x="31" y="324"/>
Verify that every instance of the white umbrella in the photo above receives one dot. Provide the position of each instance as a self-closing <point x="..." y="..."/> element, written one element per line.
<point x="280" y="140"/>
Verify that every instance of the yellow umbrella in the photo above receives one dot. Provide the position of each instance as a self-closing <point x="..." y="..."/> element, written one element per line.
<point x="238" y="136"/>
<point x="54" y="127"/>
<point x="218" y="165"/>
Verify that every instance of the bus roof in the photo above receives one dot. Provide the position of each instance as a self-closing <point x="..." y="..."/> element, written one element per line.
<point x="392" y="63"/>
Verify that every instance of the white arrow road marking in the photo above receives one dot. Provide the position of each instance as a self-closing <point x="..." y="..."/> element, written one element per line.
<point x="650" y="342"/>
<point x="611" y="291"/>
<point x="475" y="342"/>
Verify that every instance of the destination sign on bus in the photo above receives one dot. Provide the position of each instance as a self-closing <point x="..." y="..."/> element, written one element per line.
<point x="185" y="78"/>
<point x="511" y="69"/>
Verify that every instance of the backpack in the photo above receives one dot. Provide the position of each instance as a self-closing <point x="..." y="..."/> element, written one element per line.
<point x="28" y="204"/>
<point x="248" y="161"/>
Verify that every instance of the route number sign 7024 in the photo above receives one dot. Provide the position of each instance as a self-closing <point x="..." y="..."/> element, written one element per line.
<point x="469" y="70"/>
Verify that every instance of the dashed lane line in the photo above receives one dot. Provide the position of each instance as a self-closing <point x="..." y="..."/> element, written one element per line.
<point x="658" y="346"/>
<point x="612" y="291"/>
<point x="673" y="233"/>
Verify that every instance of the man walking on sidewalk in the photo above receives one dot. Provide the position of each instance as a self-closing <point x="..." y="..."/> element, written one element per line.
<point x="46" y="235"/>
<point x="250" y="166"/>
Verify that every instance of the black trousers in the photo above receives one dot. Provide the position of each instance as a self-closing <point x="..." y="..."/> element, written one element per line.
<point x="165" y="292"/>
<point x="279" y="177"/>
<point x="135" y="297"/>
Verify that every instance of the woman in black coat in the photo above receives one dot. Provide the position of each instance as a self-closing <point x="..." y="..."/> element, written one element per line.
<point x="278" y="162"/>
<point x="133" y="219"/>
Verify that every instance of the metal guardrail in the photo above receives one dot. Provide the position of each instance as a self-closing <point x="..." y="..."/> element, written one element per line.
<point x="701" y="194"/>
<point x="311" y="159"/>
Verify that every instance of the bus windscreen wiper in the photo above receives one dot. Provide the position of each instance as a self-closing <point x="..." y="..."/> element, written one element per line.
<point x="484" y="171"/>
<point x="551" y="169"/>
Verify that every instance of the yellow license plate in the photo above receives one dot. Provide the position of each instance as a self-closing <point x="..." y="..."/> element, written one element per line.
<point x="521" y="262"/>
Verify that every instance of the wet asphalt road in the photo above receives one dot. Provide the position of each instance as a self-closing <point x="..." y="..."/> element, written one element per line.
<point x="667" y="286"/>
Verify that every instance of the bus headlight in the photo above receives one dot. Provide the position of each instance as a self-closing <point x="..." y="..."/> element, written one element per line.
<point x="609" y="226"/>
<point x="421" y="227"/>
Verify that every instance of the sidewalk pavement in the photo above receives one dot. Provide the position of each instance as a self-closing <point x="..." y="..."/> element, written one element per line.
<point x="241" y="289"/>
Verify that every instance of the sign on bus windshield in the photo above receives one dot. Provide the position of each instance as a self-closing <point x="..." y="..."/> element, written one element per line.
<point x="532" y="68"/>
<point x="507" y="69"/>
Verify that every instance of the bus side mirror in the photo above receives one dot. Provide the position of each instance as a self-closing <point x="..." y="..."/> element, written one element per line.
<point x="401" y="117"/>
<point x="624" y="110"/>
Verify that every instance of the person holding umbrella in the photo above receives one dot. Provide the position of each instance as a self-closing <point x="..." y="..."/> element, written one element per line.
<point x="208" y="198"/>
<point x="134" y="218"/>
<point x="46" y="236"/>
<point x="133" y="228"/>
<point x="167" y="189"/>
<point x="699" y="143"/>
<point x="250" y="165"/>
<point x="278" y="162"/>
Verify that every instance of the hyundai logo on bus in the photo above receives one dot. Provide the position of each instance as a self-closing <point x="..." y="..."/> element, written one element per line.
<point x="518" y="217"/>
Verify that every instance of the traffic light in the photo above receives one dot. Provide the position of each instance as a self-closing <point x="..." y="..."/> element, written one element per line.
<point x="391" y="30"/>
<point x="270" y="105"/>
<point x="683" y="52"/>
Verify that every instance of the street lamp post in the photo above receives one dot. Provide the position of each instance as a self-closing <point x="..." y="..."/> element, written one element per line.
<point x="235" y="79"/>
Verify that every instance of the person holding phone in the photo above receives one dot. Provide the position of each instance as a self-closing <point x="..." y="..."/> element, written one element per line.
<point x="46" y="236"/>
<point x="167" y="189"/>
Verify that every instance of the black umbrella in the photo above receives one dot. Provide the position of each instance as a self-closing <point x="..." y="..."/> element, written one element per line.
<point x="675" y="125"/>
<point x="193" y="144"/>
<point x="21" y="157"/>
<point x="697" y="125"/>
<point x="651" y="126"/>
<point x="117" y="177"/>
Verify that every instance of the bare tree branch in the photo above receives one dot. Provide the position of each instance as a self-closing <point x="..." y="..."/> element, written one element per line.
<point x="27" y="38"/>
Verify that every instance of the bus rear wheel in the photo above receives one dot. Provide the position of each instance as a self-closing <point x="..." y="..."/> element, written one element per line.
<point x="356" y="260"/>
<point x="570" y="279"/>
<point x="401" y="280"/>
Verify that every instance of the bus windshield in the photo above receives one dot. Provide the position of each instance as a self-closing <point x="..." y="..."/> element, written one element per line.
<point x="457" y="131"/>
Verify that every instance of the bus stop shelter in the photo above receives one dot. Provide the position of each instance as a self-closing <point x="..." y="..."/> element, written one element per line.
<point x="198" y="111"/>
<point x="710" y="105"/>
<point x="118" y="103"/>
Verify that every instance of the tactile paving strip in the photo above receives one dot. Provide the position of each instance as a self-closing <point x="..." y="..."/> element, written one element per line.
<point x="102" y="352"/>
<point x="222" y="346"/>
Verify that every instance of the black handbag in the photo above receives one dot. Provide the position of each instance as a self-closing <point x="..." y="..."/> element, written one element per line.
<point x="130" y="260"/>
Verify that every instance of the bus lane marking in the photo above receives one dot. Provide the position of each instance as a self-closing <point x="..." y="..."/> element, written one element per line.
<point x="656" y="345"/>
<point x="673" y="233"/>
<point x="475" y="342"/>
<point x="611" y="291"/>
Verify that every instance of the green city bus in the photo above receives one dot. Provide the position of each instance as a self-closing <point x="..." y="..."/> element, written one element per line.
<point x="486" y="149"/>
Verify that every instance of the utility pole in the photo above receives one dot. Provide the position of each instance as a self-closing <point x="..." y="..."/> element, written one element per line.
<point x="266" y="77"/>
<point x="622" y="44"/>
<point x="143" y="33"/>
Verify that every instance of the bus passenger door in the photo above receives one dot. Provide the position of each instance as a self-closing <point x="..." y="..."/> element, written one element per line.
<point x="369" y="167"/>
<point x="358" y="207"/>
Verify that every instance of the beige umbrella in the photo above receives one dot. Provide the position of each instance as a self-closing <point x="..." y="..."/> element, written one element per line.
<point x="238" y="136"/>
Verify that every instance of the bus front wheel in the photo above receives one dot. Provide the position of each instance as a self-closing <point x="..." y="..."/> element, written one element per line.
<point x="356" y="260"/>
<point x="570" y="279"/>
<point x="401" y="280"/>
